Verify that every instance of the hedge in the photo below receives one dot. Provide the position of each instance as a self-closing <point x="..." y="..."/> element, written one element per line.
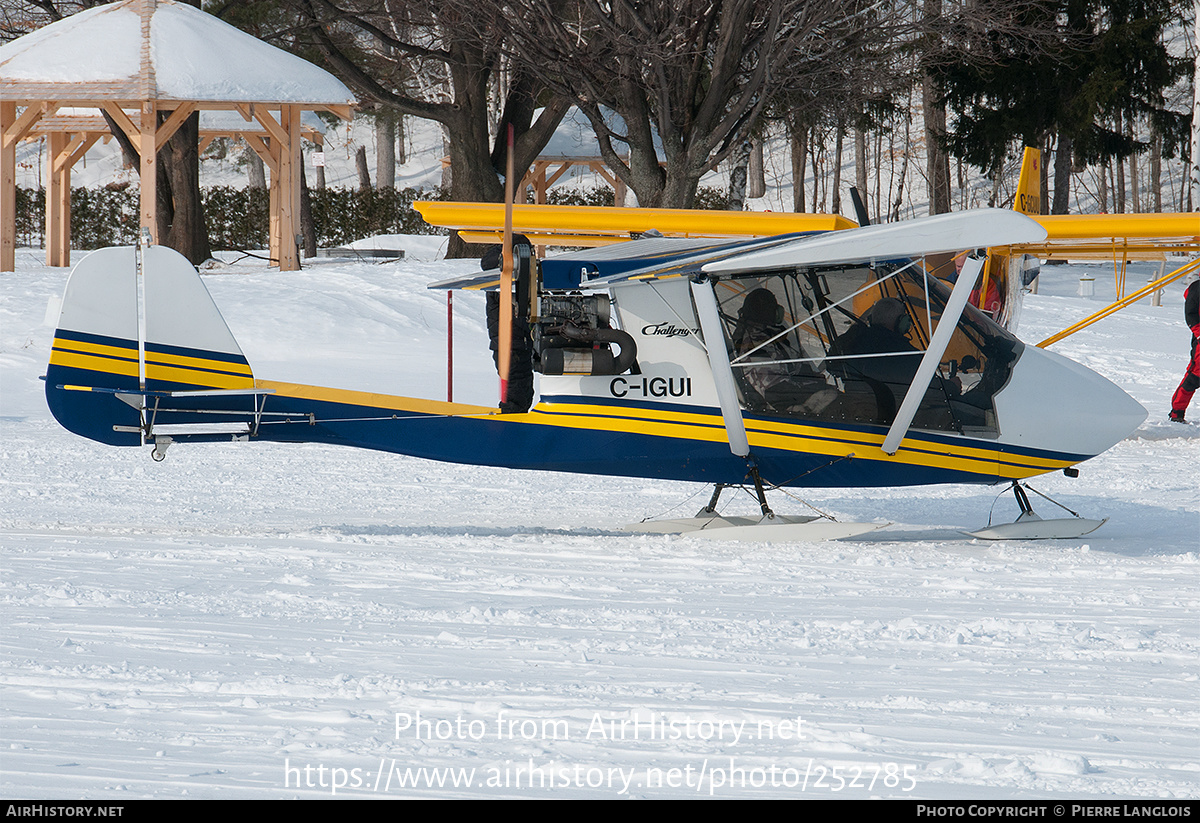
<point x="238" y="217"/>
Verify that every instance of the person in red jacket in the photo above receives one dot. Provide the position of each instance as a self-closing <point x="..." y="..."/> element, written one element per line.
<point x="1191" y="378"/>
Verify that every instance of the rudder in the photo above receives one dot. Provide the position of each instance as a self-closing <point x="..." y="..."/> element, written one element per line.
<point x="105" y="361"/>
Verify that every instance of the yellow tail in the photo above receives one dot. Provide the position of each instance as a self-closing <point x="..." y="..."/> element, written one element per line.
<point x="1028" y="199"/>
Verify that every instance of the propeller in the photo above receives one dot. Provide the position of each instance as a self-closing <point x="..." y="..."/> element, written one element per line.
<point x="506" y="275"/>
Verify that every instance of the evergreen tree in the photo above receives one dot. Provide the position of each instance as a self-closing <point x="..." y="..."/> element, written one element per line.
<point x="1071" y="69"/>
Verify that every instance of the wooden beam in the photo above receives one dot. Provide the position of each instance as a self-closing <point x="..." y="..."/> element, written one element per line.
<point x="164" y="132"/>
<point x="268" y="152"/>
<point x="26" y="121"/>
<point x="58" y="203"/>
<point x="77" y="154"/>
<point x="289" y="188"/>
<point x="554" y="178"/>
<point x="268" y="122"/>
<point x="122" y="119"/>
<point x="63" y="156"/>
<point x="149" y="170"/>
<point x="8" y="190"/>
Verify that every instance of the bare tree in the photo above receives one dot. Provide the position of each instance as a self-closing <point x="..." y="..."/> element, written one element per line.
<point x="933" y="105"/>
<point x="687" y="79"/>
<point x="438" y="60"/>
<point x="385" y="152"/>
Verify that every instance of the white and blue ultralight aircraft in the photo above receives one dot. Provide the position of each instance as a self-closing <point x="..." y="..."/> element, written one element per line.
<point x="833" y="359"/>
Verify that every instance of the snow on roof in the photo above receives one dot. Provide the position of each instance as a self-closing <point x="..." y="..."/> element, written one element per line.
<point x="53" y="54"/>
<point x="575" y="136"/>
<point x="194" y="56"/>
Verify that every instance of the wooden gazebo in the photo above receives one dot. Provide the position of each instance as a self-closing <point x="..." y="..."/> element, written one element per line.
<point x="159" y="56"/>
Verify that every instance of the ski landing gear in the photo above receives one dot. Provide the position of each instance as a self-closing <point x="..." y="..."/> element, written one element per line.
<point x="769" y="528"/>
<point x="1028" y="526"/>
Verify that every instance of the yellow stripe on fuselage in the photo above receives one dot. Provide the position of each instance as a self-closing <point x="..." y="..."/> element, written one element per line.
<point x="64" y="344"/>
<point x="186" y="361"/>
<point x="197" y="377"/>
<point x="96" y="363"/>
<point x="172" y="368"/>
<point x="197" y="371"/>
<point x="707" y="426"/>
<point x="77" y="354"/>
<point x="378" y="401"/>
<point x="800" y="437"/>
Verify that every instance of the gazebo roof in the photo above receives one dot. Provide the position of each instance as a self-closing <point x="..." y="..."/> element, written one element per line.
<point x="177" y="53"/>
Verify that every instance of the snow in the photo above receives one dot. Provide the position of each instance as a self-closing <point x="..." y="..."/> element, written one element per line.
<point x="51" y="53"/>
<point x="199" y="57"/>
<point x="195" y="56"/>
<point x="267" y="621"/>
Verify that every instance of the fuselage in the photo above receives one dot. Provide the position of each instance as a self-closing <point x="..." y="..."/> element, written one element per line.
<point x="821" y="358"/>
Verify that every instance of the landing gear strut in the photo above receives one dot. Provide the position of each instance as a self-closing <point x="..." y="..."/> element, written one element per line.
<point x="1028" y="526"/>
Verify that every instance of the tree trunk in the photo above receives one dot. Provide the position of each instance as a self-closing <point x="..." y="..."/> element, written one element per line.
<point x="180" y="159"/>
<point x="739" y="162"/>
<point x="937" y="159"/>
<point x="1103" y="187"/>
<point x="385" y="151"/>
<point x="308" y="229"/>
<point x="860" y="165"/>
<point x="360" y="163"/>
<point x="1062" y="176"/>
<point x="255" y="171"/>
<point x="757" y="184"/>
<point x="798" y="135"/>
<point x="1193" y="198"/>
<point x="1134" y="178"/>
<point x="1156" y="168"/>
<point x="1120" y="186"/>
<point x="813" y="149"/>
<point x="836" y="206"/>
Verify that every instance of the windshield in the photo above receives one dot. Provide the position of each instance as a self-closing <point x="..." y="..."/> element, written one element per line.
<point x="843" y="344"/>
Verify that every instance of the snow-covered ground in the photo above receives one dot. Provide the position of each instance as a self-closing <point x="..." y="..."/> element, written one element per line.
<point x="278" y="621"/>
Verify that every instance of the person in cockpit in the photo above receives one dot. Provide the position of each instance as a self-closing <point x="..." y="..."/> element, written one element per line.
<point x="780" y="383"/>
<point x="882" y="329"/>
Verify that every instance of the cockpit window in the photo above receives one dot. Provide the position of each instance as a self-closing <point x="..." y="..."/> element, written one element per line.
<point x="843" y="344"/>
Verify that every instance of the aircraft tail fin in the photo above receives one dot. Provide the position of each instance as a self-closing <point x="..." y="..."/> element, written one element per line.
<point x="120" y="342"/>
<point x="1028" y="199"/>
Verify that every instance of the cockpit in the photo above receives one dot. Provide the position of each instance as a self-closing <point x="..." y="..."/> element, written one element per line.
<point x="843" y="344"/>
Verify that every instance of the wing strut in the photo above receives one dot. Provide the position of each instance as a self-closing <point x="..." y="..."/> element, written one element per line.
<point x="933" y="355"/>
<point x="718" y="360"/>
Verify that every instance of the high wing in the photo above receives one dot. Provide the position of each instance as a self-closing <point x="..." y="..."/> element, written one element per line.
<point x="591" y="226"/>
<point x="664" y="258"/>
<point x="1116" y="236"/>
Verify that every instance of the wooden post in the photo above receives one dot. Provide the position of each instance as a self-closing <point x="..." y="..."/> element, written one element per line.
<point x="58" y="201"/>
<point x="147" y="129"/>
<point x="8" y="189"/>
<point x="289" y="189"/>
